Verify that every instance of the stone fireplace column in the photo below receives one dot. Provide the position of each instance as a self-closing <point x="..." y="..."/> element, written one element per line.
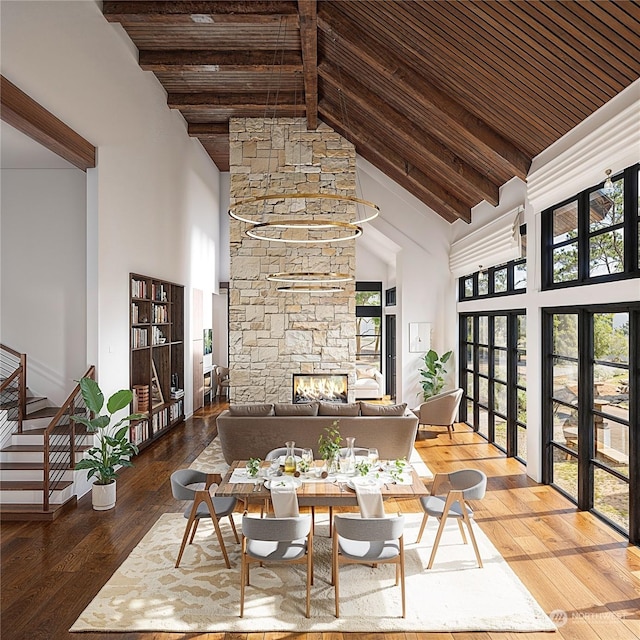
<point x="274" y="334"/>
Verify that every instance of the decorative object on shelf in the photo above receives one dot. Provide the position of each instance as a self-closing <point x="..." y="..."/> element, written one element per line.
<point x="329" y="446"/>
<point x="141" y="398"/>
<point x="113" y="448"/>
<point x="433" y="373"/>
<point x="419" y="337"/>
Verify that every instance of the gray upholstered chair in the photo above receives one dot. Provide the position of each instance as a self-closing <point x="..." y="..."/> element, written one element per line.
<point x="367" y="541"/>
<point x="280" y="540"/>
<point x="448" y="499"/>
<point x="274" y="454"/>
<point x="190" y="484"/>
<point x="440" y="410"/>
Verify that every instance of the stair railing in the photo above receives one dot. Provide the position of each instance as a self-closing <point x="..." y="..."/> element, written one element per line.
<point x="13" y="389"/>
<point x="62" y="442"/>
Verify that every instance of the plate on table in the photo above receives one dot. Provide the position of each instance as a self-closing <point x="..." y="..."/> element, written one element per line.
<point x="363" y="481"/>
<point x="283" y="481"/>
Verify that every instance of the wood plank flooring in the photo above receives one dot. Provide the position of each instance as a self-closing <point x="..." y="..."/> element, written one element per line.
<point x="569" y="560"/>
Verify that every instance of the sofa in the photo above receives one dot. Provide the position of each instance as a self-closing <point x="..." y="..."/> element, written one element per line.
<point x="251" y="431"/>
<point x="369" y="382"/>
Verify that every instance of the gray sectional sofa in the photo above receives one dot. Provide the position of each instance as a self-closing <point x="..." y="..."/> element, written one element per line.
<point x="251" y="431"/>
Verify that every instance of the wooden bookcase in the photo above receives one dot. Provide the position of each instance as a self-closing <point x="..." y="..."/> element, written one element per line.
<point x="156" y="356"/>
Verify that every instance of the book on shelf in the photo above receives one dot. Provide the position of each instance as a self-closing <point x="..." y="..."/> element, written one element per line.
<point x="177" y="393"/>
<point x="138" y="288"/>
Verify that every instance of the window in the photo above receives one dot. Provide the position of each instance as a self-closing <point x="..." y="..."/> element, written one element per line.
<point x="369" y="323"/>
<point x="493" y="378"/>
<point x="591" y="420"/>
<point x="505" y="279"/>
<point x="593" y="236"/>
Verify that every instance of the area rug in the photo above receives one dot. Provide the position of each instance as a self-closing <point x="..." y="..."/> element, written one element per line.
<point x="148" y="594"/>
<point x="211" y="460"/>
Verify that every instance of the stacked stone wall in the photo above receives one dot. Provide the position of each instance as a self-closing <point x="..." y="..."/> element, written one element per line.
<point x="274" y="334"/>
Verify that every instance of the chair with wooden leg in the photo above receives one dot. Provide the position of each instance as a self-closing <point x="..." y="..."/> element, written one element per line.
<point x="190" y="484"/>
<point x="367" y="541"/>
<point x="440" y="410"/>
<point x="448" y="499"/>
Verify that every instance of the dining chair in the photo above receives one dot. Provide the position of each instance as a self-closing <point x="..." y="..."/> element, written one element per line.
<point x="274" y="454"/>
<point x="463" y="485"/>
<point x="276" y="540"/>
<point x="193" y="485"/>
<point x="440" y="410"/>
<point x="367" y="541"/>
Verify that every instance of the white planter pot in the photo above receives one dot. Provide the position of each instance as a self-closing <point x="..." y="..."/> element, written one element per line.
<point x="103" y="496"/>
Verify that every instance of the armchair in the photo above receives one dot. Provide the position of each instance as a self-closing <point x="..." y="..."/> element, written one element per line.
<point x="440" y="410"/>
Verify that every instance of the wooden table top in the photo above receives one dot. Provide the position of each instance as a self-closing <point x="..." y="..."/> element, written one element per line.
<point x="321" y="492"/>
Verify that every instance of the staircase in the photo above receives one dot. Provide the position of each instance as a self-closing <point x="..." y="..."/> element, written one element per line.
<point x="40" y="446"/>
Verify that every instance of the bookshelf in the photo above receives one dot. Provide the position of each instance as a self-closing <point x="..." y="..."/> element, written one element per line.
<point x="156" y="356"/>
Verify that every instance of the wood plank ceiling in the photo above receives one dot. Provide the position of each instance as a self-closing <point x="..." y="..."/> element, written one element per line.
<point x="451" y="99"/>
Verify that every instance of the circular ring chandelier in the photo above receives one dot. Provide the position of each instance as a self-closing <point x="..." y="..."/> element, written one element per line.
<point x="375" y="209"/>
<point x="311" y="288"/>
<point x="309" y="277"/>
<point x="261" y="231"/>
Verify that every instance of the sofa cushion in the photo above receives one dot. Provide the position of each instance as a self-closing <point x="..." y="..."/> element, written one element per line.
<point x="251" y="409"/>
<point x="369" y="372"/>
<point x="339" y="409"/>
<point x="370" y="409"/>
<point x="300" y="409"/>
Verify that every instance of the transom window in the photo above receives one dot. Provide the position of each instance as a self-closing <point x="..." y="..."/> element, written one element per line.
<point x="593" y="236"/>
<point x="505" y="279"/>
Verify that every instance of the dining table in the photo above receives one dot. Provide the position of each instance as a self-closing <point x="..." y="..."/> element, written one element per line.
<point x="335" y="490"/>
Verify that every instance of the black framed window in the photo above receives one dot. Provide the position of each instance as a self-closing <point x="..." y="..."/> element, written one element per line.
<point x="493" y="378"/>
<point x="369" y="323"/>
<point x="503" y="280"/>
<point x="591" y="413"/>
<point x="593" y="236"/>
<point x="390" y="297"/>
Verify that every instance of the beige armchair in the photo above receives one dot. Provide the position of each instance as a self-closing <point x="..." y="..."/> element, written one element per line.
<point x="440" y="410"/>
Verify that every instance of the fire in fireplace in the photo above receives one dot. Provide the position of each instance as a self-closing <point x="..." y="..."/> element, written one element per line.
<point x="310" y="387"/>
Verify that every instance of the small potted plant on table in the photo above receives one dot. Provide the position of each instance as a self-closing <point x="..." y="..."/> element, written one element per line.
<point x="329" y="446"/>
<point x="113" y="447"/>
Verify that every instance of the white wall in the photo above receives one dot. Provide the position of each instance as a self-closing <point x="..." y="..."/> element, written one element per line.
<point x="153" y="203"/>
<point x="43" y="305"/>
<point x="425" y="288"/>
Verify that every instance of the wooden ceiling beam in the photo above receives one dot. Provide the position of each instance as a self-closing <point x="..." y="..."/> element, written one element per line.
<point x="220" y="61"/>
<point x="445" y="113"/>
<point x="259" y="101"/>
<point x="202" y="12"/>
<point x="28" y="116"/>
<point x="400" y="132"/>
<point x="308" y="12"/>
<point x="411" y="178"/>
<point x="209" y="130"/>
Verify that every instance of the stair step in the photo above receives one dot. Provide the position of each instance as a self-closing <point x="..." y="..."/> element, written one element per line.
<point x="30" y="485"/>
<point x="31" y="400"/>
<point x="31" y="466"/>
<point x="28" y="512"/>
<point x="36" y="448"/>
<point x="45" y="412"/>
<point x="62" y="429"/>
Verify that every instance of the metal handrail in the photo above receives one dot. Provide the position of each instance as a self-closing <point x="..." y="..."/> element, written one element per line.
<point x="64" y="459"/>
<point x="20" y="373"/>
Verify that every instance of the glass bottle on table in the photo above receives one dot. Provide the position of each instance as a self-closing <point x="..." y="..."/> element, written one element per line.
<point x="290" y="458"/>
<point x="350" y="455"/>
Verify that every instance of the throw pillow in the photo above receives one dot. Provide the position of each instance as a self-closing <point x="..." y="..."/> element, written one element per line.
<point x="369" y="409"/>
<point x="251" y="409"/>
<point x="366" y="373"/>
<point x="301" y="409"/>
<point x="339" y="409"/>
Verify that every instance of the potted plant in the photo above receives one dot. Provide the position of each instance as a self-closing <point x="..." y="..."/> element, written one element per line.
<point x="329" y="446"/>
<point x="433" y="373"/>
<point x="113" y="447"/>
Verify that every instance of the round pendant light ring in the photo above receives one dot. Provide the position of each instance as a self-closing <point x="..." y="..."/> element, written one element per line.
<point x="309" y="277"/>
<point x="295" y="288"/>
<point x="374" y="209"/>
<point x="261" y="231"/>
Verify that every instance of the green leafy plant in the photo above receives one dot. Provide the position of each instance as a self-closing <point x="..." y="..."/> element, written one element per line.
<point x="398" y="468"/>
<point x="253" y="466"/>
<point x="113" y="446"/>
<point x="432" y="376"/>
<point x="329" y="442"/>
<point x="363" y="467"/>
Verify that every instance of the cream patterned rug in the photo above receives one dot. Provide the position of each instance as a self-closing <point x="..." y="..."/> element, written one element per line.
<point x="148" y="594"/>
<point x="211" y="460"/>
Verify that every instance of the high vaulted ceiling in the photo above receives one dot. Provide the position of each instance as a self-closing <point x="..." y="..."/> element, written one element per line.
<point x="449" y="98"/>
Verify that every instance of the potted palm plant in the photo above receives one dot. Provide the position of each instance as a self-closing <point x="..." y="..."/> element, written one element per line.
<point x="113" y="447"/>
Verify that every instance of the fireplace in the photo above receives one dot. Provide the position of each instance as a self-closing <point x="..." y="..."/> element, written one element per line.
<point x="310" y="387"/>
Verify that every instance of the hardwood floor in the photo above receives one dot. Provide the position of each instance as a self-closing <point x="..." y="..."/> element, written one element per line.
<point x="569" y="560"/>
